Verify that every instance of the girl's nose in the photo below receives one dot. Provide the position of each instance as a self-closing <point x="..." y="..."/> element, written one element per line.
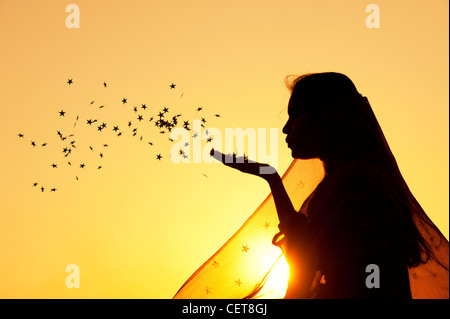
<point x="286" y="127"/>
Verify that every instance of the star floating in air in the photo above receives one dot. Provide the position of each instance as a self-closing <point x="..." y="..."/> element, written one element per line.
<point x="172" y="86"/>
<point x="82" y="165"/>
<point x="124" y="100"/>
<point x="245" y="248"/>
<point x="62" y="113"/>
<point x="238" y="282"/>
<point x="104" y="84"/>
<point x="20" y="135"/>
<point x="70" y="81"/>
<point x="158" y="157"/>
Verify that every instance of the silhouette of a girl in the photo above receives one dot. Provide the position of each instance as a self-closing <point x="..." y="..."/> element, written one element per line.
<point x="362" y="213"/>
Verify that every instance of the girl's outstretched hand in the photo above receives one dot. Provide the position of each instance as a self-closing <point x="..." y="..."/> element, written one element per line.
<point x="243" y="164"/>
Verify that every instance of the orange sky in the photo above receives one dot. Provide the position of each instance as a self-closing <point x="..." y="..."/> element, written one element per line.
<point x="138" y="228"/>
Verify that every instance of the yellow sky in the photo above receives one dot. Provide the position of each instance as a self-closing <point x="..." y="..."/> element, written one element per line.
<point x="138" y="227"/>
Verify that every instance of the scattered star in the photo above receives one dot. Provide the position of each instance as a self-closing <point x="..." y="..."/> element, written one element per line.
<point x="217" y="115"/>
<point x="199" y="109"/>
<point x="158" y="157"/>
<point x="54" y="165"/>
<point x="53" y="190"/>
<point x="124" y="100"/>
<point x="140" y="118"/>
<point x="70" y="81"/>
<point x="144" y="106"/>
<point x="238" y="282"/>
<point x="42" y="188"/>
<point x="116" y="128"/>
<point x="266" y="225"/>
<point x="35" y="184"/>
<point x="82" y="165"/>
<point x="245" y="248"/>
<point x="33" y="143"/>
<point x="172" y="86"/>
<point x="104" y="84"/>
<point x="20" y="135"/>
<point x="62" y="113"/>
<point x="166" y="109"/>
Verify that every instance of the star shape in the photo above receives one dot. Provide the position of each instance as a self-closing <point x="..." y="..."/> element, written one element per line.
<point x="144" y="106"/>
<point x="266" y="225"/>
<point x="158" y="157"/>
<point x="69" y="81"/>
<point x="140" y="118"/>
<point x="82" y="165"/>
<point x="104" y="84"/>
<point x="62" y="113"/>
<point x="245" y="248"/>
<point x="124" y="100"/>
<point x="238" y="282"/>
<point x="172" y="86"/>
<point x="20" y="135"/>
<point x="54" y="165"/>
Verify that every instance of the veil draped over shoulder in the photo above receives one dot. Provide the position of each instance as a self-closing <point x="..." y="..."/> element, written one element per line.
<point x="252" y="265"/>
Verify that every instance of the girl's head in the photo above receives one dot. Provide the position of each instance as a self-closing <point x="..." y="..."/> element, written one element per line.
<point x="326" y="118"/>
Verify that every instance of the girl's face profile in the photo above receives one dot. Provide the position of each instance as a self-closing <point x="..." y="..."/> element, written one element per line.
<point x="298" y="129"/>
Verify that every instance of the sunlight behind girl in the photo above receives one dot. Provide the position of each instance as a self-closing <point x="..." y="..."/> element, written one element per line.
<point x="277" y="280"/>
